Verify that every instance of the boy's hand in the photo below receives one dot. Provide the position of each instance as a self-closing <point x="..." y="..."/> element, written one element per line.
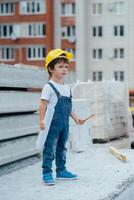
<point x="42" y="125"/>
<point x="79" y="121"/>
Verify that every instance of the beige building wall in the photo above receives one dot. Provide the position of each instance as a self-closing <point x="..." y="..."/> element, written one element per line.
<point x="82" y="40"/>
<point x="57" y="24"/>
<point x="109" y="14"/>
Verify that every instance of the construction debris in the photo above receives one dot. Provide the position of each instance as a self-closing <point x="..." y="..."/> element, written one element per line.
<point x="118" y="154"/>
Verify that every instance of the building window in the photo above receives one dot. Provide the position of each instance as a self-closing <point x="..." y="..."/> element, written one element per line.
<point x="97" y="8"/>
<point x="73" y="8"/>
<point x="97" y="53"/>
<point x="119" y="53"/>
<point x="6" y="54"/>
<point x="73" y="51"/>
<point x="6" y="30"/>
<point x="37" y="30"/>
<point x="97" y="76"/>
<point x="68" y="9"/>
<point x="68" y="31"/>
<point x="119" y="75"/>
<point x="63" y="11"/>
<point x="117" y="7"/>
<point x="33" y="7"/>
<point x="6" y="8"/>
<point x="97" y="31"/>
<point x="36" y="53"/>
<point x="119" y="30"/>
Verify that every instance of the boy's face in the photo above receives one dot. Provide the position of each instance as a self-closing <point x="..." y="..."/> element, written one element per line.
<point x="60" y="70"/>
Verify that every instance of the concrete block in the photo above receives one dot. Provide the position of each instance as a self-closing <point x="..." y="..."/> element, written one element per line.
<point x="20" y="76"/>
<point x="20" y="125"/>
<point x="14" y="101"/>
<point x="79" y="138"/>
<point x="16" y="149"/>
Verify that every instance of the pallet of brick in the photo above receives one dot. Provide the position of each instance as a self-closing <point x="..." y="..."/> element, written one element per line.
<point x="82" y="90"/>
<point x="20" y="88"/>
<point x="99" y="134"/>
<point x="110" y="104"/>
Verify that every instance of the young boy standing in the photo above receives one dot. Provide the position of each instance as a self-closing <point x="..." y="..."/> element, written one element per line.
<point x="57" y="94"/>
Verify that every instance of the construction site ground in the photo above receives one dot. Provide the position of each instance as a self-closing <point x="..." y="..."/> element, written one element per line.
<point x="100" y="176"/>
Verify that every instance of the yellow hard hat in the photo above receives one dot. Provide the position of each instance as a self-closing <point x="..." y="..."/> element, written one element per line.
<point x="53" y="54"/>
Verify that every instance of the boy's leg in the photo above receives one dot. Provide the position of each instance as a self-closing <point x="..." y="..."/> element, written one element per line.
<point x="50" y="148"/>
<point x="61" y="149"/>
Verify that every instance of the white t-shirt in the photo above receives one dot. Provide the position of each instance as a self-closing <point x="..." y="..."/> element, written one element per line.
<point x="49" y="94"/>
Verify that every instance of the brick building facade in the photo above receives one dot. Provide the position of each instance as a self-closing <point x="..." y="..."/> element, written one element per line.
<point x="27" y="30"/>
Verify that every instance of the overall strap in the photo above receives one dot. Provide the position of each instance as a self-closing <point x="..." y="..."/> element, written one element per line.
<point x="55" y="90"/>
<point x="70" y="93"/>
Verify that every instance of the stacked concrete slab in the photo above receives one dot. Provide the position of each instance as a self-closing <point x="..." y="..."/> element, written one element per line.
<point x="19" y="100"/>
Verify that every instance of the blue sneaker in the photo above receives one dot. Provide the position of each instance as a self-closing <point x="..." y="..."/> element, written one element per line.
<point x="48" y="179"/>
<point x="66" y="175"/>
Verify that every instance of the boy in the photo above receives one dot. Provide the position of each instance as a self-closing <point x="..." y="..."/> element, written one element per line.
<point x="57" y="94"/>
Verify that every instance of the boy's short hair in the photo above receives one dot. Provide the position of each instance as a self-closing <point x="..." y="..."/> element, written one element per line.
<point x="51" y="65"/>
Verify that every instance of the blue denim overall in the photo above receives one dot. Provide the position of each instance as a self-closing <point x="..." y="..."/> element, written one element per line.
<point x="55" y="145"/>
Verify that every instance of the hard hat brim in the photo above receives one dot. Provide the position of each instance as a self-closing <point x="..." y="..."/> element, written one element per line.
<point x="68" y="55"/>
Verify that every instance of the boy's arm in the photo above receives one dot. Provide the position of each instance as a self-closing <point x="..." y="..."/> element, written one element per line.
<point x="76" y="118"/>
<point x="42" y="111"/>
